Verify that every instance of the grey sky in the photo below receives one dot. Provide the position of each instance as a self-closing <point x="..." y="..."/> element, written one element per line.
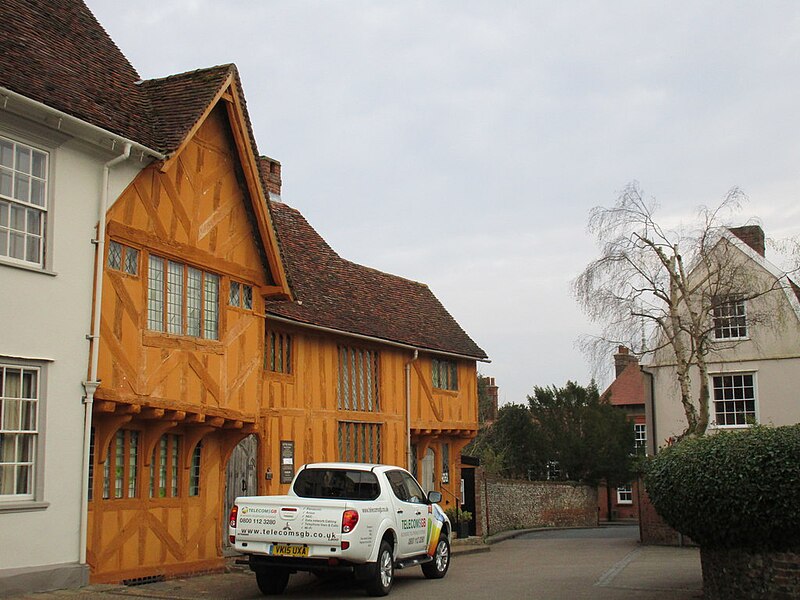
<point x="463" y="143"/>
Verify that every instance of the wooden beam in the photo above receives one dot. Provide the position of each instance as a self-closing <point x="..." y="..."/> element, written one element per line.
<point x="104" y="406"/>
<point x="195" y="418"/>
<point x="423" y="381"/>
<point x="175" y="415"/>
<point x="233" y="424"/>
<point x="152" y="413"/>
<point x="215" y="421"/>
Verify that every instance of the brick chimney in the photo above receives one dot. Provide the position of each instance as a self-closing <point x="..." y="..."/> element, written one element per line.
<point x="622" y="359"/>
<point x="493" y="392"/>
<point x="752" y="235"/>
<point x="271" y="175"/>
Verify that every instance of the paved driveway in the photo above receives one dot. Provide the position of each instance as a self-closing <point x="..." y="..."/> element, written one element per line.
<point x="605" y="563"/>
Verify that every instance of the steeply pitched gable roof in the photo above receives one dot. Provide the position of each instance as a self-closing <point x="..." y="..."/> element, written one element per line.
<point x="55" y="52"/>
<point x="341" y="295"/>
<point x="627" y="388"/>
<point x="178" y="102"/>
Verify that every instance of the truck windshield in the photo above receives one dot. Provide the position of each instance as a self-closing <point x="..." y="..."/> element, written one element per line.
<point x="337" y="483"/>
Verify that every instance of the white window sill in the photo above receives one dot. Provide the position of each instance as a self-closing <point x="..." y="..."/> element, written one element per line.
<point x="22" y="506"/>
<point x="32" y="268"/>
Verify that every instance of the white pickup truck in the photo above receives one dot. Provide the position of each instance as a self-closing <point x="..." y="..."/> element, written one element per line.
<point x="356" y="518"/>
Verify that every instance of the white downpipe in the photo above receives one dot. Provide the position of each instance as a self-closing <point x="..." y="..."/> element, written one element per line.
<point x="91" y="385"/>
<point x="408" y="411"/>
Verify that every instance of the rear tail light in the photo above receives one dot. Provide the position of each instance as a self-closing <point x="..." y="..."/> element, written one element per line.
<point x="232" y="522"/>
<point x="349" y="520"/>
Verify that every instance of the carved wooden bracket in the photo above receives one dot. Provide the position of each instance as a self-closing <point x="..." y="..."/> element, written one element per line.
<point x="103" y="435"/>
<point x="192" y="438"/>
<point x="151" y="437"/>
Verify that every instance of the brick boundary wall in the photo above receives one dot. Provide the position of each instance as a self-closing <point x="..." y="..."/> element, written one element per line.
<point x="652" y="528"/>
<point x="653" y="531"/>
<point x="746" y="575"/>
<point x="507" y="504"/>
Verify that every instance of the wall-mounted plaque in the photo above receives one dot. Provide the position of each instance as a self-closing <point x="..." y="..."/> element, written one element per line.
<point x="287" y="461"/>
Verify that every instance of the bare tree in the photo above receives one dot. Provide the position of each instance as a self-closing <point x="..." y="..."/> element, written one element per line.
<point x="658" y="290"/>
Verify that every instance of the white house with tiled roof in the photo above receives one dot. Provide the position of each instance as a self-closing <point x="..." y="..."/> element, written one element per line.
<point x="754" y="366"/>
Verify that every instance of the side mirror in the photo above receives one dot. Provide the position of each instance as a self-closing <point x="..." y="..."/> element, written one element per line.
<point x="434" y="497"/>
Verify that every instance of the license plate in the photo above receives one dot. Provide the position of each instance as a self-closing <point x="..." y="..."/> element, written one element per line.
<point x="289" y="550"/>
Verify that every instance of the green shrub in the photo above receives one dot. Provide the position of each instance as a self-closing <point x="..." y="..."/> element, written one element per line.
<point x="457" y="515"/>
<point x="731" y="489"/>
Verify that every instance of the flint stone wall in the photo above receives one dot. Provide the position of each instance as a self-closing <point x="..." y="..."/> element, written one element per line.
<point x="514" y="504"/>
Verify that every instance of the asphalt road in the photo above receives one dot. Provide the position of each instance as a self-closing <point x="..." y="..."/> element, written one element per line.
<point x="604" y="563"/>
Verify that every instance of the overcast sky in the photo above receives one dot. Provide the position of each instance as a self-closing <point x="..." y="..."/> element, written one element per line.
<point x="463" y="143"/>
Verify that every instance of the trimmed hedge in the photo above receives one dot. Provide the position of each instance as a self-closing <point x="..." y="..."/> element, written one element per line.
<point x="737" y="489"/>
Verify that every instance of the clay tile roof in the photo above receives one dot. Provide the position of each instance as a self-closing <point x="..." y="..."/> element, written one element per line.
<point x="628" y="387"/>
<point x="348" y="297"/>
<point x="178" y="102"/>
<point x="55" y="52"/>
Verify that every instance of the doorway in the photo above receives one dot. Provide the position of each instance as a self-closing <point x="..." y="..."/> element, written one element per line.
<point x="428" y="467"/>
<point x="241" y="477"/>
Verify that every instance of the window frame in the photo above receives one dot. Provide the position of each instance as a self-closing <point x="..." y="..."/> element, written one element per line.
<point x="727" y="319"/>
<point x="358" y="379"/>
<point x="124" y="251"/>
<point x="625" y="490"/>
<point x="240" y="301"/>
<point x="196" y="470"/>
<point x="447" y="379"/>
<point x="359" y="441"/>
<point x="130" y="489"/>
<point x="165" y="468"/>
<point x="186" y="321"/>
<point x="45" y="210"/>
<point x="640" y="441"/>
<point x="279" y="357"/>
<point x="34" y="499"/>
<point x="713" y="399"/>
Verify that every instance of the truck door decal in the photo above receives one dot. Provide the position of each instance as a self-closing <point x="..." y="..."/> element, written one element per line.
<point x="435" y="524"/>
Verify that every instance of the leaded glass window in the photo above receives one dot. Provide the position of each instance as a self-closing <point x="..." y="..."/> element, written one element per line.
<point x="359" y="442"/>
<point x="444" y="374"/>
<point x="357" y="382"/>
<point x="182" y="301"/>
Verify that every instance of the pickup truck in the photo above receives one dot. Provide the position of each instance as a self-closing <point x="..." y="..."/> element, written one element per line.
<point x="362" y="519"/>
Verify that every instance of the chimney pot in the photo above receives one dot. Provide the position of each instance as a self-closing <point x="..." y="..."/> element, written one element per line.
<point x="622" y="359"/>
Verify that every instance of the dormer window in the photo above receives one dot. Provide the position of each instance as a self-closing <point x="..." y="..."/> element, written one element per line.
<point x="730" y="319"/>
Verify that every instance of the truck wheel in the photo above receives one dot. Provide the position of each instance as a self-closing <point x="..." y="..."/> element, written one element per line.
<point x="272" y="580"/>
<point x="382" y="575"/>
<point x="437" y="568"/>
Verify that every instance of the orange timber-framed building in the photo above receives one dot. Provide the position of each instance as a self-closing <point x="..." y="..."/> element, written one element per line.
<point x="230" y="343"/>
